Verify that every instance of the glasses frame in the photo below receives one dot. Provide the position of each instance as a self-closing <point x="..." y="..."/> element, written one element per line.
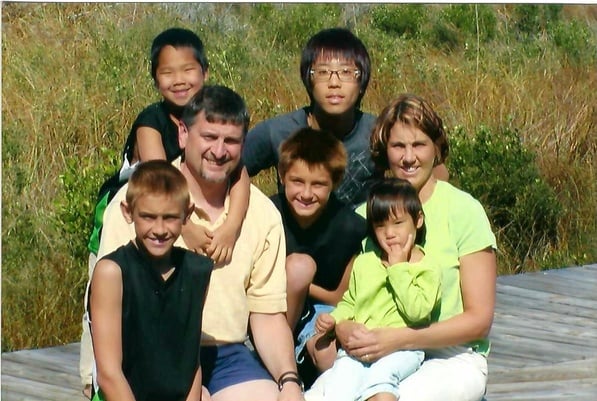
<point x="356" y="74"/>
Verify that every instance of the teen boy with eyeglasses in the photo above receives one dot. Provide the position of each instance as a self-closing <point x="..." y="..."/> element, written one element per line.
<point x="335" y="69"/>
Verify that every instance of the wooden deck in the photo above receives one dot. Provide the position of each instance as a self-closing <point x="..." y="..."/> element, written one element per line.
<point x="544" y="345"/>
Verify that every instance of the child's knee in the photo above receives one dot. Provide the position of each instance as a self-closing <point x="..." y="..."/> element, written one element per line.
<point x="300" y="270"/>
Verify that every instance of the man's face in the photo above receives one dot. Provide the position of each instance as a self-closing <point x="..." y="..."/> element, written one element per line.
<point x="307" y="190"/>
<point x="337" y="91"/>
<point x="212" y="150"/>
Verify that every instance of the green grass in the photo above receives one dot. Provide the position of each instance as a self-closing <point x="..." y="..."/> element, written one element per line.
<point x="74" y="76"/>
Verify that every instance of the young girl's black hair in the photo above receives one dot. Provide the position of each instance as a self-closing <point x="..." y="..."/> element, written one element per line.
<point x="388" y="196"/>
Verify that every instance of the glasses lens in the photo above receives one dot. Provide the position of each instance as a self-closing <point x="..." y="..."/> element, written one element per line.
<point x="344" y="75"/>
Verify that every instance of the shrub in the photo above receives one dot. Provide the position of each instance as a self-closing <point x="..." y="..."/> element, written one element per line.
<point x="401" y="20"/>
<point x="575" y="41"/>
<point x="466" y="17"/>
<point x="497" y="169"/>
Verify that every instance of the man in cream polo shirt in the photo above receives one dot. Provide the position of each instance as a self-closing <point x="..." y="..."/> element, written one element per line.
<point x="251" y="289"/>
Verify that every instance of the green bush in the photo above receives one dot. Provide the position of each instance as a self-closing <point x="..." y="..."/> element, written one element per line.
<point x="531" y="19"/>
<point x="400" y="20"/>
<point x="497" y="169"/>
<point x="575" y="41"/>
<point x="466" y="17"/>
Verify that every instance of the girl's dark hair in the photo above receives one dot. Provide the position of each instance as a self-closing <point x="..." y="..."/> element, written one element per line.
<point x="386" y="197"/>
<point x="177" y="38"/>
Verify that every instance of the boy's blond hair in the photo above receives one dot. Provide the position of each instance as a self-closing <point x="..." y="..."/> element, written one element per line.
<point x="315" y="148"/>
<point x="157" y="177"/>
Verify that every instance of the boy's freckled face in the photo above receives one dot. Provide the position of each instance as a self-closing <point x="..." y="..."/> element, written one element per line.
<point x="307" y="190"/>
<point x="158" y="221"/>
<point x="334" y="96"/>
<point x="179" y="75"/>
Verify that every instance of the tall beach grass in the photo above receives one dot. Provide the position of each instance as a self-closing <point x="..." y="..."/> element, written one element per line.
<point x="75" y="75"/>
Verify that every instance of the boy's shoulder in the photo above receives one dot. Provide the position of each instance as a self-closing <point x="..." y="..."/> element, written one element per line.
<point x="286" y="123"/>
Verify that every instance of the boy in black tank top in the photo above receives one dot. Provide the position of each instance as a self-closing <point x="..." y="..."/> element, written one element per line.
<point x="146" y="298"/>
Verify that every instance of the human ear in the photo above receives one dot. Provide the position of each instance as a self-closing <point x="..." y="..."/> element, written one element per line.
<point x="188" y="212"/>
<point x="420" y="220"/>
<point x="183" y="135"/>
<point x="126" y="212"/>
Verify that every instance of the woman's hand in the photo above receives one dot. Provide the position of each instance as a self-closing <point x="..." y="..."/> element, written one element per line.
<point x="367" y="345"/>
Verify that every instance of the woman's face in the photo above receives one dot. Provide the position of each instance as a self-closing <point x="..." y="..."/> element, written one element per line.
<point x="411" y="154"/>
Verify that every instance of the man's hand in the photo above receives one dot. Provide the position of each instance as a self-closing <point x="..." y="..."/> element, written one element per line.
<point x="325" y="323"/>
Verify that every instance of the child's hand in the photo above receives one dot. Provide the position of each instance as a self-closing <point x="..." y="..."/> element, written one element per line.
<point x="222" y="244"/>
<point x="196" y="237"/>
<point x="325" y="323"/>
<point x="398" y="253"/>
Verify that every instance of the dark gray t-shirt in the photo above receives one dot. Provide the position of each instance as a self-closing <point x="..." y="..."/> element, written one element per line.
<point x="261" y="151"/>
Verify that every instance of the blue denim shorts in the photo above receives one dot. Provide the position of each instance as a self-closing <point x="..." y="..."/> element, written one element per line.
<point x="306" y="328"/>
<point x="225" y="365"/>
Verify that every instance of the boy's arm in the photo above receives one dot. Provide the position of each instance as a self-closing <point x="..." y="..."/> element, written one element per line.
<point x="106" y="326"/>
<point x="195" y="393"/>
<point x="149" y="145"/>
<point x="334" y="296"/>
<point x="224" y="237"/>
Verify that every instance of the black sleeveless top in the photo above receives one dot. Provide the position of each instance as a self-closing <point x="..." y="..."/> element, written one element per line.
<point x="161" y="322"/>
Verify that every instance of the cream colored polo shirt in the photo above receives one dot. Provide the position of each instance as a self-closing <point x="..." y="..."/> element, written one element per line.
<point x="254" y="280"/>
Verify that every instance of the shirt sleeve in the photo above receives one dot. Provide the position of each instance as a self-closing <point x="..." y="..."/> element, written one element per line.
<point x="471" y="228"/>
<point x="115" y="230"/>
<point x="416" y="288"/>
<point x="345" y="308"/>
<point x="258" y="152"/>
<point x="266" y="292"/>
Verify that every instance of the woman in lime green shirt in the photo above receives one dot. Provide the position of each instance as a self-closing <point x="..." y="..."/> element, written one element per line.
<point x="409" y="140"/>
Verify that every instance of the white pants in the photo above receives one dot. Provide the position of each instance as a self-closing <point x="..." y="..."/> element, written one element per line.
<point x="352" y="380"/>
<point x="452" y="374"/>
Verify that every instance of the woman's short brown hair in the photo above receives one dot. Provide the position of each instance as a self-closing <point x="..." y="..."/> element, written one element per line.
<point x="413" y="111"/>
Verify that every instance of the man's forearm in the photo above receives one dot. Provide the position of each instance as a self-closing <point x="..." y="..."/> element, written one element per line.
<point x="279" y="358"/>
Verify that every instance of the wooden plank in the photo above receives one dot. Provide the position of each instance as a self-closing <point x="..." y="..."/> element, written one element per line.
<point x="570" y="370"/>
<point x="531" y="310"/>
<point x="583" y="307"/>
<point x="25" y="389"/>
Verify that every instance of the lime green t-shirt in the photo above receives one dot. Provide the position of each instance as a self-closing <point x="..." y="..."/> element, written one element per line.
<point x="456" y="225"/>
<point x="404" y="294"/>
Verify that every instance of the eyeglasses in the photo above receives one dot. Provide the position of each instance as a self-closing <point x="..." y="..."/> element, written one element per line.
<point x="343" y="74"/>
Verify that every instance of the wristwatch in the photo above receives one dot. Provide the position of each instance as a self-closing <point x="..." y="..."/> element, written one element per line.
<point x="288" y="377"/>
